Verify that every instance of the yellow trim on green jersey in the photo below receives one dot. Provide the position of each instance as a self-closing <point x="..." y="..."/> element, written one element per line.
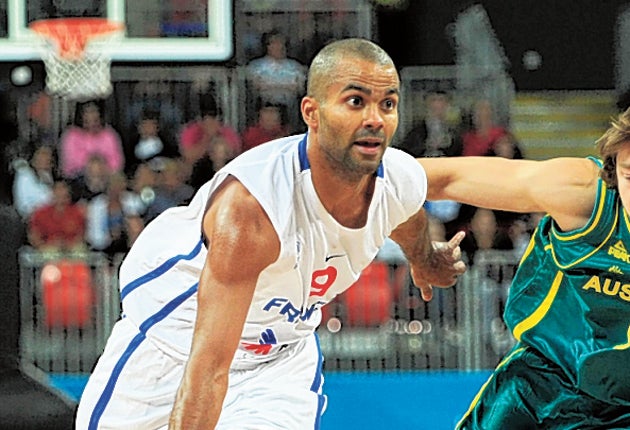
<point x="593" y="251"/>
<point x="541" y="310"/>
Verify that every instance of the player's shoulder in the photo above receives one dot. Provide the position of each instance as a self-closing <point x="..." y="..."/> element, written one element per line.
<point x="268" y="152"/>
<point x="399" y="163"/>
<point x="404" y="178"/>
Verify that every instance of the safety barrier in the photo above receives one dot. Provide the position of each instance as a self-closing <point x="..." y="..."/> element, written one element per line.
<point x="69" y="305"/>
<point x="461" y="328"/>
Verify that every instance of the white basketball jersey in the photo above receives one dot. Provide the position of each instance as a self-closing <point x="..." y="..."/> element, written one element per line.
<point x="319" y="258"/>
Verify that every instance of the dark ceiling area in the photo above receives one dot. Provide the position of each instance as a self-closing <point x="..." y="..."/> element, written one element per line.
<point x="575" y="38"/>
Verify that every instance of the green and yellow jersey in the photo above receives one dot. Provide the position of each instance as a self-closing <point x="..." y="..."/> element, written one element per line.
<point x="570" y="298"/>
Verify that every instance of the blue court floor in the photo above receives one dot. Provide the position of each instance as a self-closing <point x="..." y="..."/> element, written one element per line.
<point x="376" y="401"/>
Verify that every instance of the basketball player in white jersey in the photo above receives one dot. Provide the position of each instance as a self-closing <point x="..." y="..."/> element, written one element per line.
<point x="221" y="298"/>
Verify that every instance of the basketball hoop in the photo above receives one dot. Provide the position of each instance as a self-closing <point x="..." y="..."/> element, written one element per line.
<point x="75" y="56"/>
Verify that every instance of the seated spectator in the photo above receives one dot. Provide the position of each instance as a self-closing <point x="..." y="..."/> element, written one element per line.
<point x="148" y="143"/>
<point x="483" y="132"/>
<point x="89" y="136"/>
<point x="92" y="181"/>
<point x="277" y="79"/>
<point x="32" y="183"/>
<point x="108" y="218"/>
<point x="484" y="233"/>
<point x="436" y="135"/>
<point x="205" y="168"/>
<point x="142" y="190"/>
<point x="268" y="127"/>
<point x="170" y="191"/>
<point x="39" y="113"/>
<point x="507" y="146"/>
<point x="196" y="137"/>
<point x="58" y="227"/>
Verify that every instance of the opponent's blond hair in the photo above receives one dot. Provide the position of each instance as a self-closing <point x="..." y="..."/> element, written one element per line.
<point x="617" y="135"/>
<point x="323" y="67"/>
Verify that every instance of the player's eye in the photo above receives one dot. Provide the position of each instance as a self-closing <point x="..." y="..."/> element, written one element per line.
<point x="355" y="101"/>
<point x="389" y="104"/>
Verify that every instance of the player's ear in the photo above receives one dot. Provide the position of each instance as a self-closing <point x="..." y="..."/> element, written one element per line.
<point x="310" y="112"/>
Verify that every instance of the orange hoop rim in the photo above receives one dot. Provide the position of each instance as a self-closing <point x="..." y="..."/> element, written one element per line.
<point x="72" y="34"/>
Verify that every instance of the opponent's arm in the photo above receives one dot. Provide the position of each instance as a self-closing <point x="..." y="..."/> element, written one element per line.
<point x="564" y="188"/>
<point x="431" y="264"/>
<point x="242" y="242"/>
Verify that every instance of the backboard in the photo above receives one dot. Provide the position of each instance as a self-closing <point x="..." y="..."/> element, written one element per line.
<point x="156" y="30"/>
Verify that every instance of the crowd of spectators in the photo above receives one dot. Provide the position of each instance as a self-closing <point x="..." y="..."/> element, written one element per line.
<point x="118" y="183"/>
<point x="95" y="191"/>
<point x="445" y="130"/>
<point x="95" y="186"/>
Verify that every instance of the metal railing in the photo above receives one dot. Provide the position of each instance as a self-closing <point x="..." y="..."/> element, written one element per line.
<point x="69" y="305"/>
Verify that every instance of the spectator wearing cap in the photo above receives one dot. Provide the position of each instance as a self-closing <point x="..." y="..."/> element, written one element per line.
<point x="197" y="137"/>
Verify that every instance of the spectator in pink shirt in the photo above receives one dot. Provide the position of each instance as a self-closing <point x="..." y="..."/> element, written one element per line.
<point x="90" y="136"/>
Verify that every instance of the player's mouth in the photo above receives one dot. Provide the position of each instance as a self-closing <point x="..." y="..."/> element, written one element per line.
<point x="368" y="146"/>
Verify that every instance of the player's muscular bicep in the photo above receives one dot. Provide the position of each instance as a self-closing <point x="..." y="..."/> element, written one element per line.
<point x="239" y="234"/>
<point x="565" y="188"/>
<point x="562" y="186"/>
<point x="241" y="243"/>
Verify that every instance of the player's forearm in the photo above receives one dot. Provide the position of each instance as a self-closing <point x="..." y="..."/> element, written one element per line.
<point x="413" y="238"/>
<point x="198" y="404"/>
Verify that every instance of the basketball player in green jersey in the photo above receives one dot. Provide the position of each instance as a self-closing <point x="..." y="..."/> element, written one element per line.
<point x="569" y="303"/>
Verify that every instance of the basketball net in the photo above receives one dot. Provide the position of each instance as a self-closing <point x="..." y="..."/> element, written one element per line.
<point x="75" y="55"/>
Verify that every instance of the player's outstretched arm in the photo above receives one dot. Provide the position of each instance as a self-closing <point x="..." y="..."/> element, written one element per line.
<point x="565" y="188"/>
<point x="431" y="264"/>
<point x="242" y="242"/>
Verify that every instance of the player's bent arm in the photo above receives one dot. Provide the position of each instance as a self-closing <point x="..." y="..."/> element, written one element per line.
<point x="429" y="265"/>
<point x="242" y="242"/>
<point x="565" y="187"/>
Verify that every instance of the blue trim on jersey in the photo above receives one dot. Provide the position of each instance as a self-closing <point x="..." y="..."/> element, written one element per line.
<point x="305" y="164"/>
<point x="160" y="270"/>
<point x="106" y="396"/>
<point x="317" y="381"/>
<point x="316" y="385"/>
<point x="380" y="171"/>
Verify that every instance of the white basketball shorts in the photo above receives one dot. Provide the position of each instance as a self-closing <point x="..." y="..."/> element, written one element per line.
<point x="134" y="383"/>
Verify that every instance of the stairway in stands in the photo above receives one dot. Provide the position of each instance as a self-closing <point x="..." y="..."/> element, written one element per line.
<point x="561" y="123"/>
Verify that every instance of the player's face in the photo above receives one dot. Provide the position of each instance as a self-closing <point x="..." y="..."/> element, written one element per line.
<point x="359" y="115"/>
<point x="623" y="175"/>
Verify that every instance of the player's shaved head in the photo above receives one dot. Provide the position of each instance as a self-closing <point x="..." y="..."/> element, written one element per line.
<point x="324" y="66"/>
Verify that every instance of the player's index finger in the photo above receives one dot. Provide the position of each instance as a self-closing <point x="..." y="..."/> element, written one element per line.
<point x="457" y="239"/>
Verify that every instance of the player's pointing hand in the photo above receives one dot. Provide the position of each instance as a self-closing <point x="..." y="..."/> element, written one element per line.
<point x="443" y="267"/>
